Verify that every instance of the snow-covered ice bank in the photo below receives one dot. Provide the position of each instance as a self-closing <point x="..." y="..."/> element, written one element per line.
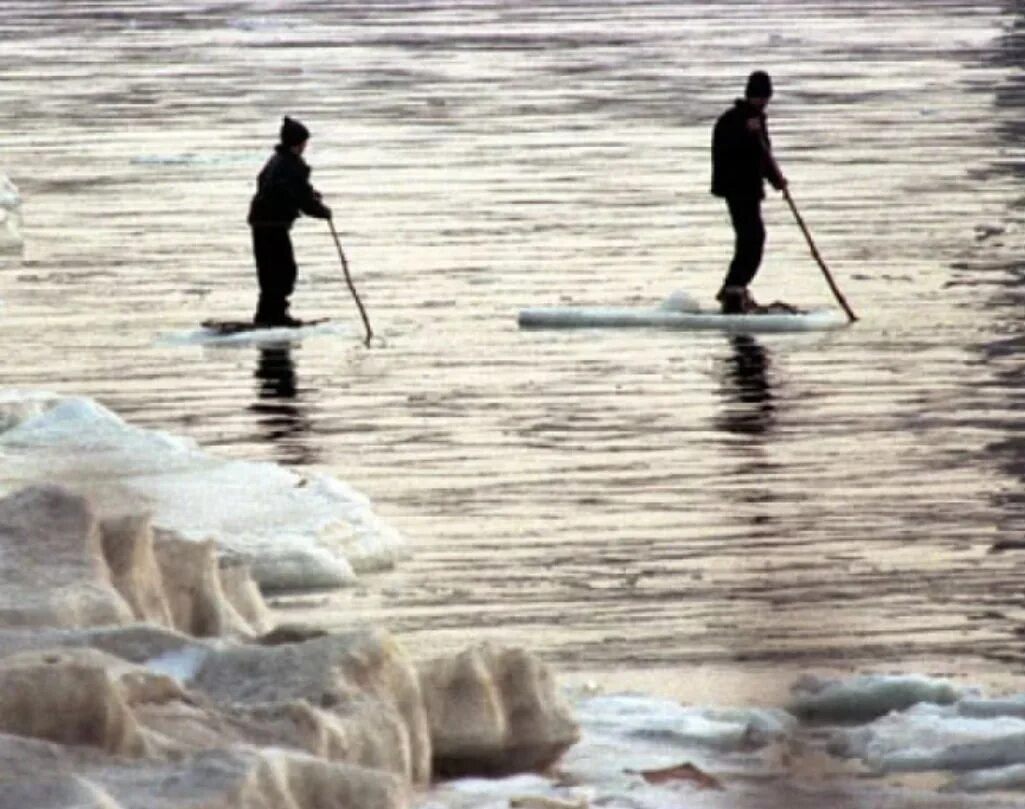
<point x="293" y="530"/>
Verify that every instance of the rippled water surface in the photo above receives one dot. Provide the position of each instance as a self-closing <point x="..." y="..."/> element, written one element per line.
<point x="619" y="500"/>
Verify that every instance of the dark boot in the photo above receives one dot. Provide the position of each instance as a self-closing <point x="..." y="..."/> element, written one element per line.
<point x="733" y="300"/>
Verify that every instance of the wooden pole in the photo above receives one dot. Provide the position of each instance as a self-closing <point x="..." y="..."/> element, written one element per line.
<point x="804" y="229"/>
<point x="818" y="257"/>
<point x="352" y="288"/>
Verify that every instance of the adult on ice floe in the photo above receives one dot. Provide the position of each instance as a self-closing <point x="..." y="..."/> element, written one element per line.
<point x="741" y="161"/>
<point x="283" y="192"/>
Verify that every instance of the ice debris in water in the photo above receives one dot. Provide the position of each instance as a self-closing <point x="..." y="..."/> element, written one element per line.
<point x="623" y="736"/>
<point x="292" y="530"/>
<point x="680" y="301"/>
<point x="10" y="217"/>
<point x="182" y="664"/>
<point x="980" y="707"/>
<point x="1003" y="778"/>
<point x="864" y="698"/>
<point x="934" y="737"/>
<point x="672" y="725"/>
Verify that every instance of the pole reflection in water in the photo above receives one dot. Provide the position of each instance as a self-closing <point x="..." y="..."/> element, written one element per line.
<point x="282" y="415"/>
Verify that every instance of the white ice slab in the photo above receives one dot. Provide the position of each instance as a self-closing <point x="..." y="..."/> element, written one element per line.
<point x="935" y="737"/>
<point x="293" y="530"/>
<point x="567" y="317"/>
<point x="206" y="337"/>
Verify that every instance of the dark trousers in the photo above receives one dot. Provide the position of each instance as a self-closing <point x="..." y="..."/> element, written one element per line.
<point x="746" y="216"/>
<point x="276" y="271"/>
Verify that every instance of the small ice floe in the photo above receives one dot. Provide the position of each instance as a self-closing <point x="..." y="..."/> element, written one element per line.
<point x="182" y="664"/>
<point x="680" y="301"/>
<point x="293" y="531"/>
<point x="11" y="241"/>
<point x="640" y="752"/>
<point x="861" y="699"/>
<point x="626" y="735"/>
<point x="934" y="737"/>
<point x="268" y="336"/>
<point x="668" y="725"/>
<point x="981" y="707"/>
<point x="998" y="778"/>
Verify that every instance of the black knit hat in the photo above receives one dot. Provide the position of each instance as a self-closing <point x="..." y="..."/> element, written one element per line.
<point x="293" y="133"/>
<point x="759" y="85"/>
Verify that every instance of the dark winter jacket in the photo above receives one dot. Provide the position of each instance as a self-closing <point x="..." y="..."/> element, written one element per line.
<point x="739" y="158"/>
<point x="283" y="190"/>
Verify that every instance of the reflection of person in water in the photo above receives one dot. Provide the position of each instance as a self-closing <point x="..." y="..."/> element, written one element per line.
<point x="279" y="408"/>
<point x="750" y="408"/>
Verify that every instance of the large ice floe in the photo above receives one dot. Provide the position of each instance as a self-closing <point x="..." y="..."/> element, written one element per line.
<point x="292" y="530"/>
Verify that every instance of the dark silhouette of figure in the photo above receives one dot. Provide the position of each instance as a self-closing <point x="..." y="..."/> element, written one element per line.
<point x="741" y="160"/>
<point x="280" y="409"/>
<point x="283" y="192"/>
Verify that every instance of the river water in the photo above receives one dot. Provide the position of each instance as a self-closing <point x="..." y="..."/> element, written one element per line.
<point x="695" y="510"/>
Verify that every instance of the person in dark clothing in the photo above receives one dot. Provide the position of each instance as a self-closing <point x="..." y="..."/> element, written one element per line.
<point x="741" y="160"/>
<point x="283" y="191"/>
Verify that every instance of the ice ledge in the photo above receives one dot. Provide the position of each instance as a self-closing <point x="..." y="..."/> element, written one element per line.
<point x="292" y="530"/>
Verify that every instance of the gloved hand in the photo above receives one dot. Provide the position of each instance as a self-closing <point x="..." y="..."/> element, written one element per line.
<point x="327" y="211"/>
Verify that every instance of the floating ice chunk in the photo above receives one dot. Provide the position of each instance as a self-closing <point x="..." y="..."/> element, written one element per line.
<point x="293" y="530"/>
<point x="182" y="664"/>
<point x="10" y="217"/>
<point x="253" y="337"/>
<point x="864" y="698"/>
<point x="514" y="792"/>
<point x="1004" y="778"/>
<point x="623" y="735"/>
<point x="935" y="737"/>
<point x="979" y="707"/>
<point x="680" y="301"/>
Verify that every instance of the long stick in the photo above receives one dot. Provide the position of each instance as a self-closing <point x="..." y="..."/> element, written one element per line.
<point x="818" y="258"/>
<point x="804" y="229"/>
<point x="348" y="280"/>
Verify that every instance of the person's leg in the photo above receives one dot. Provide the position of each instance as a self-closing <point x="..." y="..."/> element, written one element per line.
<point x="746" y="215"/>
<point x="749" y="233"/>
<point x="276" y="272"/>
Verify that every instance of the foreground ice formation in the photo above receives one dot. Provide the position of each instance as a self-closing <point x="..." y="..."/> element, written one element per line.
<point x="136" y="671"/>
<point x="291" y="530"/>
<point x="140" y="668"/>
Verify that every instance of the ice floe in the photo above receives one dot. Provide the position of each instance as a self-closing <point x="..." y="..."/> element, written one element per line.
<point x="867" y="697"/>
<point x="935" y="737"/>
<point x="206" y="337"/>
<point x="293" y="530"/>
<point x="10" y="217"/>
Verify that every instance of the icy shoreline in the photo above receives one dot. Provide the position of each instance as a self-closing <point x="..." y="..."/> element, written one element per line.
<point x="184" y="573"/>
<point x="293" y="531"/>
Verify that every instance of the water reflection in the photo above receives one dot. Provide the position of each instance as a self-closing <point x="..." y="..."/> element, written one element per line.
<point x="282" y="415"/>
<point x="749" y="405"/>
